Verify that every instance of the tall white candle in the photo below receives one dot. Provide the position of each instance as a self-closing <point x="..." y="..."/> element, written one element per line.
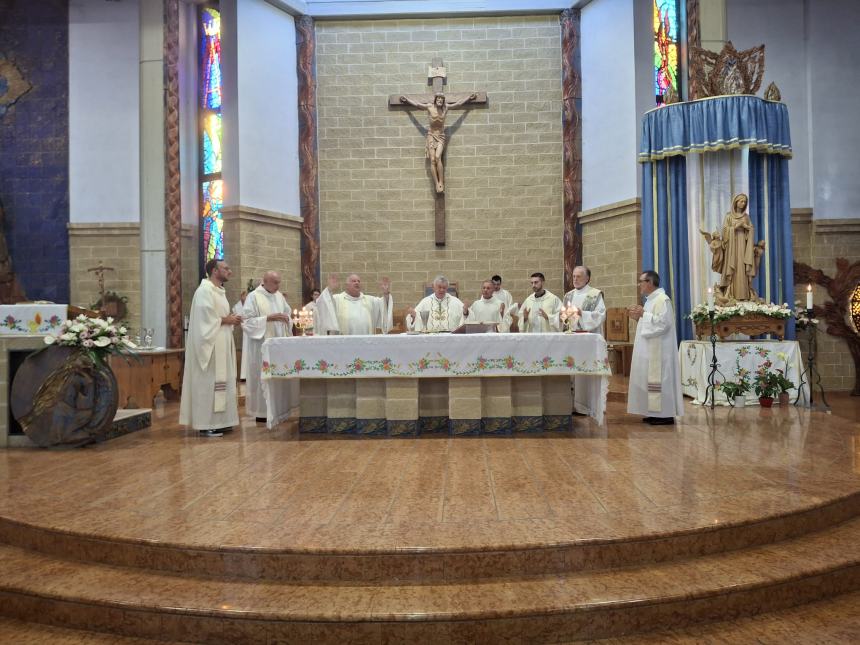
<point x="809" y="296"/>
<point x="710" y="299"/>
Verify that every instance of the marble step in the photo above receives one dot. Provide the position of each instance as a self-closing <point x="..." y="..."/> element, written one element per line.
<point x="370" y="554"/>
<point x="591" y="604"/>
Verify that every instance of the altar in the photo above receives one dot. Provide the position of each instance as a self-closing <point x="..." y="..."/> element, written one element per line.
<point x="410" y="384"/>
<point x="695" y="359"/>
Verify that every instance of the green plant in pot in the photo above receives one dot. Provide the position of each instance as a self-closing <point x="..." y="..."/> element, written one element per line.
<point x="785" y="384"/>
<point x="767" y="384"/>
<point x="735" y="391"/>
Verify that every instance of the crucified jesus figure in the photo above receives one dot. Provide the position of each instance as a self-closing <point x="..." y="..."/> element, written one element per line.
<point x="435" y="144"/>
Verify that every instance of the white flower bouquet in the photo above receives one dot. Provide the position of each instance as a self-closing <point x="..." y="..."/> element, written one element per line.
<point x="95" y="336"/>
<point x="801" y="316"/>
<point x="700" y="312"/>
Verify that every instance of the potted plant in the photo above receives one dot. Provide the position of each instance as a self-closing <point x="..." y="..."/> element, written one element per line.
<point x="767" y="384"/>
<point x="735" y="391"/>
<point x="782" y="376"/>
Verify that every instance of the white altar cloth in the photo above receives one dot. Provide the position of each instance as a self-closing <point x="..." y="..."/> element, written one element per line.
<point x="32" y="319"/>
<point x="695" y="358"/>
<point x="437" y="355"/>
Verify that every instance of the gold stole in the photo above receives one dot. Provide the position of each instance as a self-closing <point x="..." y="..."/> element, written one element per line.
<point x="342" y="311"/>
<point x="655" y="360"/>
<point x="219" y="403"/>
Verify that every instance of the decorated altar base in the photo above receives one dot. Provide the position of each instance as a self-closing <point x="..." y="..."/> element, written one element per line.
<point x="695" y="359"/>
<point x="457" y="384"/>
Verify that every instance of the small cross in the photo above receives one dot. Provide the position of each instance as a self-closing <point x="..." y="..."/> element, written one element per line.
<point x="100" y="272"/>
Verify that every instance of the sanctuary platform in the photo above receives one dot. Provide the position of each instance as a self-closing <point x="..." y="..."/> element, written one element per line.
<point x="608" y="531"/>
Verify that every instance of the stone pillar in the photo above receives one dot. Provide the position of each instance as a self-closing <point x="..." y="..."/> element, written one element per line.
<point x="153" y="236"/>
<point x="557" y="402"/>
<point x="370" y="406"/>
<point x="340" y="405"/>
<point x="312" y="405"/>
<point x="527" y="403"/>
<point x="497" y="405"/>
<point x="465" y="407"/>
<point x="432" y="405"/>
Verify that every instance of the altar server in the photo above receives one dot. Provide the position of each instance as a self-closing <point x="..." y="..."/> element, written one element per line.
<point x="488" y="309"/>
<point x="352" y="312"/>
<point x="654" y="390"/>
<point x="444" y="312"/>
<point x="266" y="315"/>
<point x="209" y="402"/>
<point x="539" y="312"/>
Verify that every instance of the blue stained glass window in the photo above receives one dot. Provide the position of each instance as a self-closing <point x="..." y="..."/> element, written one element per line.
<point x="213" y="201"/>
<point x="210" y="58"/>
<point x="211" y="184"/>
<point x="212" y="144"/>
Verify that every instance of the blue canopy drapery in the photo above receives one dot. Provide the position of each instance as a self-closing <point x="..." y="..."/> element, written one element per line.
<point x="669" y="135"/>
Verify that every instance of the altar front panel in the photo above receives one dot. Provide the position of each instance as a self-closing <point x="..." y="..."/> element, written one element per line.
<point x="695" y="359"/>
<point x="462" y="384"/>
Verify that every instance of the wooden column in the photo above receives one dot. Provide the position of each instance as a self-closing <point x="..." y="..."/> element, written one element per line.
<point x="571" y="81"/>
<point x="694" y="39"/>
<point x="308" y="156"/>
<point x="173" y="196"/>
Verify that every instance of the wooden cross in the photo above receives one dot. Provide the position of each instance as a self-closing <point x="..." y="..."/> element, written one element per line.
<point x="436" y="77"/>
<point x="100" y="272"/>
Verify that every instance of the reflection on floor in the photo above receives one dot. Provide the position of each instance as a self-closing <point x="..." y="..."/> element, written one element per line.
<point x="602" y="532"/>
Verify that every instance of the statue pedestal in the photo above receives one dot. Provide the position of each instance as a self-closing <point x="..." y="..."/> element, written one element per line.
<point x="750" y="324"/>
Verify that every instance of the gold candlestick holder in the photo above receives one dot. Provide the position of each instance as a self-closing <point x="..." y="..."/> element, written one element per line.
<point x="303" y="320"/>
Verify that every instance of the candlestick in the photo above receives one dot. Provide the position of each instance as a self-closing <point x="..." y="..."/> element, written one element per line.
<point x="710" y="299"/>
<point x="809" y="296"/>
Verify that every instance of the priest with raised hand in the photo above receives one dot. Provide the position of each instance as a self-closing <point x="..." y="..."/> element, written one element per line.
<point x="442" y="311"/>
<point x="488" y="309"/>
<point x="266" y="314"/>
<point x="539" y="313"/>
<point x="587" y="303"/>
<point x="209" y="402"/>
<point x="654" y="390"/>
<point x="352" y="312"/>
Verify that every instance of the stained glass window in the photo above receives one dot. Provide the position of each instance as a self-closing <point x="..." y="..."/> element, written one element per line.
<point x="211" y="184"/>
<point x="667" y="33"/>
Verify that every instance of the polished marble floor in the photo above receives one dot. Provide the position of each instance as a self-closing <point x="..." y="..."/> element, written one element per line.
<point x="275" y="489"/>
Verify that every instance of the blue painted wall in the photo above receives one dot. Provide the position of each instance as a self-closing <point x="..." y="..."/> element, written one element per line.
<point x="34" y="146"/>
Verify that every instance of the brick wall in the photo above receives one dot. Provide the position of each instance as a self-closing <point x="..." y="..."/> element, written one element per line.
<point x="115" y="245"/>
<point x="818" y="242"/>
<point x="503" y="162"/>
<point x="262" y="241"/>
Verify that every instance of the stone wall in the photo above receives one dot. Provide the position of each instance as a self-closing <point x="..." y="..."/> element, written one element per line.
<point x="818" y="242"/>
<point x="611" y="248"/>
<point x="503" y="162"/>
<point x="114" y="245"/>
<point x="261" y="241"/>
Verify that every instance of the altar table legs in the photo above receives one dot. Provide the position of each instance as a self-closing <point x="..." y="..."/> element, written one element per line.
<point x="457" y="406"/>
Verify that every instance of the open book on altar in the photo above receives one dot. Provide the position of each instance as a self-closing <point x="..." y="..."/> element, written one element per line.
<point x="477" y="328"/>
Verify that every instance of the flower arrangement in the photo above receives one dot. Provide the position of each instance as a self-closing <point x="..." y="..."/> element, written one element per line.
<point x="700" y="312"/>
<point x="95" y="336"/>
<point x="782" y="375"/>
<point x="767" y="382"/>
<point x="801" y="316"/>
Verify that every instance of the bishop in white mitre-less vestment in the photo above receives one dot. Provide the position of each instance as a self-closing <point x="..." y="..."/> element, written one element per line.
<point x="654" y="390"/>
<point x="532" y="321"/>
<point x="352" y="312"/>
<point x="444" y="312"/>
<point x="591" y="313"/>
<point x="266" y="315"/>
<point x="209" y="381"/>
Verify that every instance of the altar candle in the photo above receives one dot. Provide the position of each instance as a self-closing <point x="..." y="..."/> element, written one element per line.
<point x="710" y="299"/>
<point x="809" y="296"/>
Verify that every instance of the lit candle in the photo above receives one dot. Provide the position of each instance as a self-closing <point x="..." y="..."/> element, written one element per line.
<point x="710" y="299"/>
<point x="809" y="296"/>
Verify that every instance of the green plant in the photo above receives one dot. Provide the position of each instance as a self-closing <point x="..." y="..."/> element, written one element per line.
<point x="782" y="375"/>
<point x="737" y="388"/>
<point x="767" y="383"/>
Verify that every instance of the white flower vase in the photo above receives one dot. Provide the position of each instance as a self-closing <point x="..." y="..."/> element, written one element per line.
<point x="740" y="401"/>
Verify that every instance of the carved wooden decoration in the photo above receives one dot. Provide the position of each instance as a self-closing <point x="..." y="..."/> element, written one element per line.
<point x="840" y="288"/>
<point x="308" y="156"/>
<point x="751" y="325"/>
<point x="729" y="72"/>
<point x="571" y="83"/>
<point x="173" y="194"/>
<point x="694" y="39"/>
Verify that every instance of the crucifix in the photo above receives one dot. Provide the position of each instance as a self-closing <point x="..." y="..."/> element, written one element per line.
<point x="100" y="273"/>
<point x="437" y="105"/>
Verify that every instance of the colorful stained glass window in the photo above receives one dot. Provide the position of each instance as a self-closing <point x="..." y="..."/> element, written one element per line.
<point x="667" y="30"/>
<point x="210" y="58"/>
<point x="211" y="184"/>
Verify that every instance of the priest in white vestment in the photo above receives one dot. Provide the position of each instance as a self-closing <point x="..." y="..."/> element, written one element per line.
<point x="654" y="390"/>
<point x="266" y="315"/>
<point x="352" y="312"/>
<point x="209" y="402"/>
<point x="238" y="308"/>
<point x="488" y="309"/>
<point x="503" y="294"/>
<point x="443" y="311"/>
<point x="589" y="312"/>
<point x="539" y="312"/>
